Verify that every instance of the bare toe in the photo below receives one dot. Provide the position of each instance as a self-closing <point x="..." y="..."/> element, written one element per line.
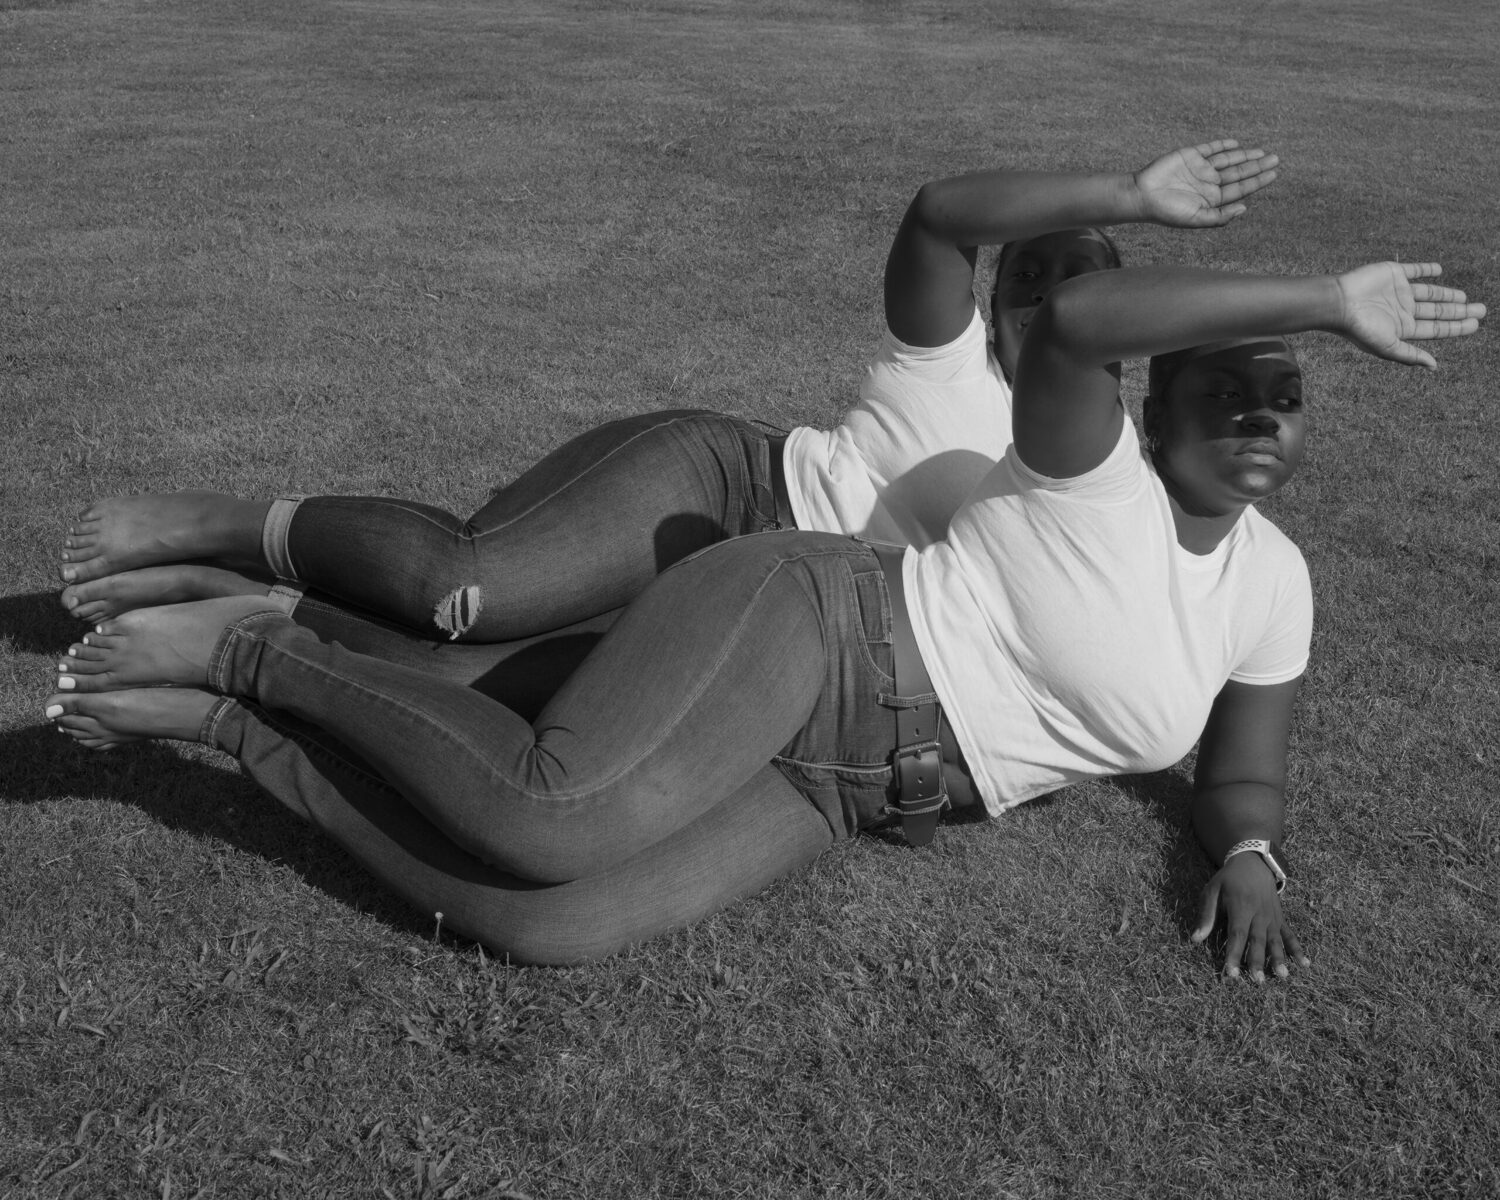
<point x="147" y="587"/>
<point x="125" y="532"/>
<point x="99" y="722"/>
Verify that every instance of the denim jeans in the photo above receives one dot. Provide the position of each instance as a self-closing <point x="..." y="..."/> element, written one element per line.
<point x="579" y="534"/>
<point x="522" y="674"/>
<point x="671" y="772"/>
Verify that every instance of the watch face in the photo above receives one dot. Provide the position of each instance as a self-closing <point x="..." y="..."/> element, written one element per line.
<point x="1280" y="856"/>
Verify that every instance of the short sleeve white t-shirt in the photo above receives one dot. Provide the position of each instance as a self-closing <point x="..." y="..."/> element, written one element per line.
<point x="929" y="425"/>
<point x="1070" y="637"/>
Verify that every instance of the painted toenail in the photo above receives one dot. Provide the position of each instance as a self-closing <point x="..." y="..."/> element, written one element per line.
<point x="72" y="653"/>
<point x="86" y="641"/>
<point x="67" y="683"/>
<point x="68" y="574"/>
<point x="54" y="710"/>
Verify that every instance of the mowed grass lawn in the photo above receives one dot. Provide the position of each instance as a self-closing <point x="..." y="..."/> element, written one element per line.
<point x="407" y="247"/>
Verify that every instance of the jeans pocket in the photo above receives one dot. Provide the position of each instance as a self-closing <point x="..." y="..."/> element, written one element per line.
<point x="757" y="486"/>
<point x="850" y="796"/>
<point x="877" y="647"/>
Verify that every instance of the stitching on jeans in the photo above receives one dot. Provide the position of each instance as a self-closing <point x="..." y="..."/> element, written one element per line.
<point x="577" y="479"/>
<point x="455" y="738"/>
<point x="316" y="749"/>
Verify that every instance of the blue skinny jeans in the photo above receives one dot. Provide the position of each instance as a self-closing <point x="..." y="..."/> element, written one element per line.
<point x="728" y="727"/>
<point x="579" y="534"/>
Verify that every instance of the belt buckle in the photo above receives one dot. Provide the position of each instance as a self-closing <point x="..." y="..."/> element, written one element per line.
<point x="921" y="791"/>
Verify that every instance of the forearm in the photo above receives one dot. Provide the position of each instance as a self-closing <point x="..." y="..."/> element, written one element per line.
<point x="1231" y="812"/>
<point x="989" y="207"/>
<point x="1116" y="315"/>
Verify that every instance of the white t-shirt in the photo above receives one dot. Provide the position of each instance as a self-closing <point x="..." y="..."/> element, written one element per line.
<point x="1069" y="636"/>
<point x="929" y="425"/>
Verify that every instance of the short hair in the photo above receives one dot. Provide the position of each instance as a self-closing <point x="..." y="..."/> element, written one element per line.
<point x="1112" y="257"/>
<point x="1164" y="367"/>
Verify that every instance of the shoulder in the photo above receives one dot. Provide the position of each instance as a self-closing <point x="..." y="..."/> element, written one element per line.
<point x="972" y="342"/>
<point x="1123" y="474"/>
<point x="1266" y="549"/>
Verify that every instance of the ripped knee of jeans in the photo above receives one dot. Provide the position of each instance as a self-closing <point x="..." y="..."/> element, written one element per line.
<point x="456" y="612"/>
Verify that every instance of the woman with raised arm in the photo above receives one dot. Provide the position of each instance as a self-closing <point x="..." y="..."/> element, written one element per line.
<point x="772" y="694"/>
<point x="582" y="532"/>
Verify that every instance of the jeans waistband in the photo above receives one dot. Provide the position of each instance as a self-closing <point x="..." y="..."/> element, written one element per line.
<point x="929" y="771"/>
<point x="776" y="443"/>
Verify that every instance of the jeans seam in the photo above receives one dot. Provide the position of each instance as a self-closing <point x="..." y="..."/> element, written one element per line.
<point x="315" y="748"/>
<point x="593" y="466"/>
<point x="445" y="734"/>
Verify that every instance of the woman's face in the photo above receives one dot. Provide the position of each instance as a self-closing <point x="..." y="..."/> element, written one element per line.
<point x="1230" y="429"/>
<point x="1028" y="271"/>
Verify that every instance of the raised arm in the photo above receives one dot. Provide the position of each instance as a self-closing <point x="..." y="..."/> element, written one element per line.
<point x="1066" y="409"/>
<point x="929" y="273"/>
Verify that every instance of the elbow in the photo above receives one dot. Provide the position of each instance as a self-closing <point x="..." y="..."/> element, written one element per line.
<point x="927" y="207"/>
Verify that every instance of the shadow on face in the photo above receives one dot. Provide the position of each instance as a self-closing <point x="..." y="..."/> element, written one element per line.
<point x="1027" y="270"/>
<point x="1225" y="422"/>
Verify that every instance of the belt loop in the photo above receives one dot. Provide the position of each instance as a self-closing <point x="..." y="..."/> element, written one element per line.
<point x="776" y="448"/>
<point x="917" y="763"/>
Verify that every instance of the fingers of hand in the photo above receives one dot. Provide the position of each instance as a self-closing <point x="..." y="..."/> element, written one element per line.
<point x="1420" y="270"/>
<point x="1250" y="166"/>
<point x="1208" y="910"/>
<point x="1427" y="330"/>
<point x="1405" y="352"/>
<point x="1247" y="187"/>
<point x="1294" y="947"/>
<point x="1234" y="947"/>
<point x="1209" y="149"/>
<point x="1277" y="952"/>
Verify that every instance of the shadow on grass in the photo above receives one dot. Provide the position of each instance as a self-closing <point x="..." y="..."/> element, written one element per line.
<point x="195" y="790"/>
<point x="37" y="623"/>
<point x="1166" y="797"/>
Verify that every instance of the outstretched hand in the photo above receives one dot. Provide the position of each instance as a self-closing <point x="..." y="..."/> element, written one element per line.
<point x="1257" y="936"/>
<point x="1384" y="311"/>
<point x="1199" y="187"/>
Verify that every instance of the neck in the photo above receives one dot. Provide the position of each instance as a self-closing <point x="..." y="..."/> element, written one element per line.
<point x="1199" y="530"/>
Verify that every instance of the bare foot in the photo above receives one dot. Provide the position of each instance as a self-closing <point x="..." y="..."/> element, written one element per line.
<point x="125" y="532"/>
<point x="154" y="647"/>
<point x="101" y="721"/>
<point x="174" y="583"/>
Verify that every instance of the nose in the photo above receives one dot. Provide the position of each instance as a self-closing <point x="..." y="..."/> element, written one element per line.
<point x="1260" y="421"/>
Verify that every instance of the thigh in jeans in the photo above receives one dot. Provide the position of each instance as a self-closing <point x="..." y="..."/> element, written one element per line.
<point x="841" y="760"/>
<point x="579" y="534"/>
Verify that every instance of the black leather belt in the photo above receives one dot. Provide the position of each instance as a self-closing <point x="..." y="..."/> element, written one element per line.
<point x="777" y="445"/>
<point x="921" y="783"/>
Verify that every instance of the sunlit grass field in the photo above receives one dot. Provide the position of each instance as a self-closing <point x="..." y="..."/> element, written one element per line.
<point x="407" y="247"/>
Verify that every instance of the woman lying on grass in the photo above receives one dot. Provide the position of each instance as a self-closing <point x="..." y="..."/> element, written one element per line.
<point x="741" y="714"/>
<point x="581" y="533"/>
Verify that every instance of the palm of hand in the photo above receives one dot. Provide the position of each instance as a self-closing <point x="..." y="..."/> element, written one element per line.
<point x="1181" y="189"/>
<point x="1379" y="309"/>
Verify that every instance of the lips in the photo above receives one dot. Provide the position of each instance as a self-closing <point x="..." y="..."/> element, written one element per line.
<point x="1260" y="448"/>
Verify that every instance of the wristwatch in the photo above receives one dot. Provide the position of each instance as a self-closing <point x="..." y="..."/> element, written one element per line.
<point x="1270" y="852"/>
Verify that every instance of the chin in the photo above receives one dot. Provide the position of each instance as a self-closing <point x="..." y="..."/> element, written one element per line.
<point x="1258" y="485"/>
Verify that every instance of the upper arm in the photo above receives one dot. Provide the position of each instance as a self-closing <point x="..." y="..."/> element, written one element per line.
<point x="1246" y="738"/>
<point x="1066" y="411"/>
<point x="929" y="282"/>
